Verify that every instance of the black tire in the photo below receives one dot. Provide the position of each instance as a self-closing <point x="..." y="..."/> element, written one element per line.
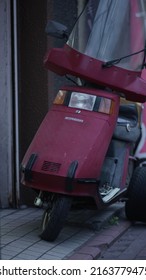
<point x="135" y="207"/>
<point x="54" y="218"/>
<point x="140" y="162"/>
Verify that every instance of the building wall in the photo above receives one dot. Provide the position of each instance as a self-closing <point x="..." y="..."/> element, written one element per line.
<point x="6" y="139"/>
<point x="32" y="77"/>
<point x="36" y="86"/>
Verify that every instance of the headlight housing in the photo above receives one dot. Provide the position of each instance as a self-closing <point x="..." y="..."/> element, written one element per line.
<point x="84" y="101"/>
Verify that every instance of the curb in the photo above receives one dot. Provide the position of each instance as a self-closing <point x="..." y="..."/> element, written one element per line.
<point x="92" y="249"/>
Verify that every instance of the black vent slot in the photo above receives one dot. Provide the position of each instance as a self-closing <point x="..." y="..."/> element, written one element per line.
<point x="51" y="166"/>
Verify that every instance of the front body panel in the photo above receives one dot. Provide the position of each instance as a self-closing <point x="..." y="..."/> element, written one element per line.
<point x="69" y="135"/>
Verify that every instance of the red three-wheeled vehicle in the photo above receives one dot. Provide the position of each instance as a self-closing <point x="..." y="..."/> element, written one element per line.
<point x="88" y="145"/>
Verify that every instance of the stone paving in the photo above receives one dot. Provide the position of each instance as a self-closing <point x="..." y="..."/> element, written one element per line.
<point x="19" y="234"/>
<point x="130" y="246"/>
<point x="93" y="248"/>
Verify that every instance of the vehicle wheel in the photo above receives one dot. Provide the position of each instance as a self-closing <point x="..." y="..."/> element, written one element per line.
<point x="54" y="217"/>
<point x="135" y="207"/>
<point x="141" y="162"/>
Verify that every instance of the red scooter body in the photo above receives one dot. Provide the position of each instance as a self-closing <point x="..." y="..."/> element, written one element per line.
<point x="71" y="141"/>
<point x="85" y="146"/>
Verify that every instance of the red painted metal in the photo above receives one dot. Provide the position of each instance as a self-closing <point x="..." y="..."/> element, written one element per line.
<point x="70" y="61"/>
<point x="141" y="149"/>
<point x="66" y="136"/>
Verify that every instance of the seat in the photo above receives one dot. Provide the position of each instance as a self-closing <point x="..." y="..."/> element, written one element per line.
<point x="127" y="128"/>
<point x="128" y="114"/>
